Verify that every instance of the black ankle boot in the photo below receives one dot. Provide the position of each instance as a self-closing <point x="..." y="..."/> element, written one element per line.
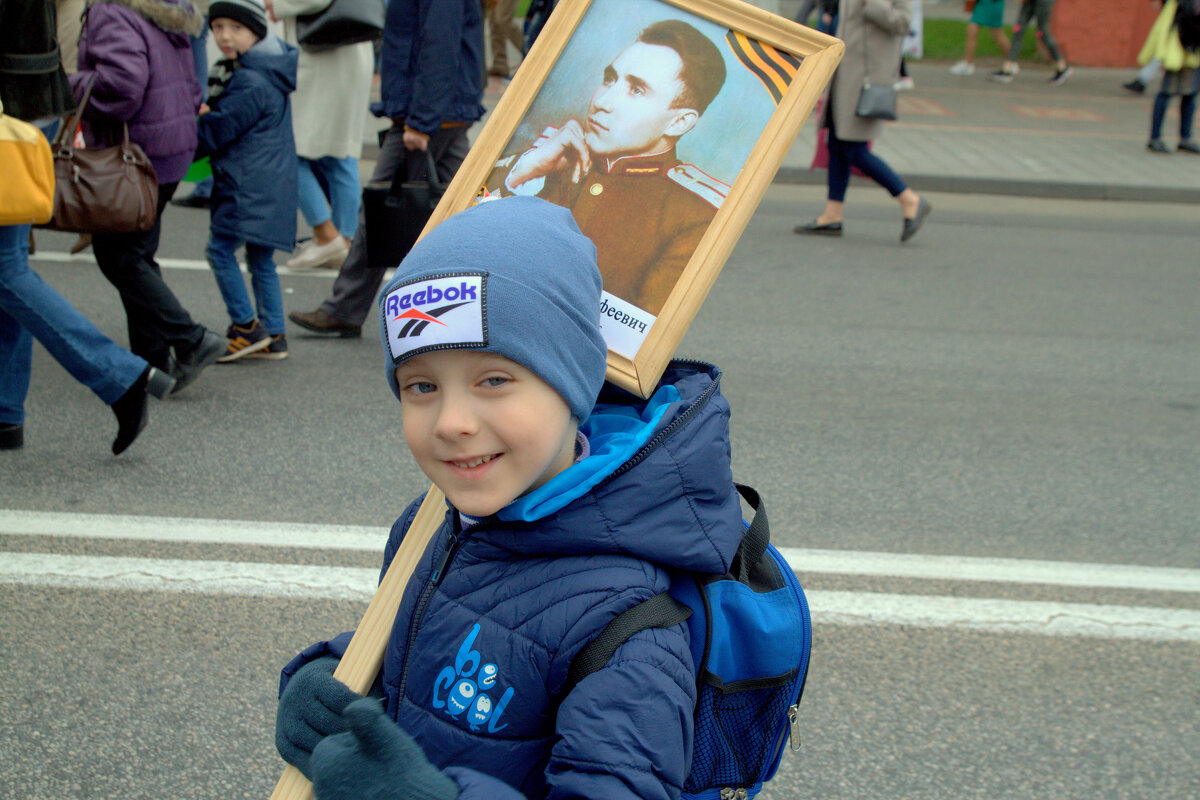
<point x="130" y="407"/>
<point x="12" y="437"/>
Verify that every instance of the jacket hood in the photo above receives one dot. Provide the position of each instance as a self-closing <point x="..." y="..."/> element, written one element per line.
<point x="276" y="60"/>
<point x="671" y="501"/>
<point x="172" y="16"/>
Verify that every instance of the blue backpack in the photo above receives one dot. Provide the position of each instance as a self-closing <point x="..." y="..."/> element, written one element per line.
<point x="750" y="638"/>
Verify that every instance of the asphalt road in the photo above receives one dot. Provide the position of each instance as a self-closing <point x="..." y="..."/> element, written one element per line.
<point x="1021" y="382"/>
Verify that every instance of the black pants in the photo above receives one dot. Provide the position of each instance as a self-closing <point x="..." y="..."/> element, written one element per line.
<point x="358" y="282"/>
<point x="156" y="319"/>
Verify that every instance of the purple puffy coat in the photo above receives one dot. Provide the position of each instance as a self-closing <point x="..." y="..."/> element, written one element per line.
<point x="141" y="55"/>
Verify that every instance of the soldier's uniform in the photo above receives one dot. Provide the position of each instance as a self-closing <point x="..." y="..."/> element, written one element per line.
<point x="645" y="214"/>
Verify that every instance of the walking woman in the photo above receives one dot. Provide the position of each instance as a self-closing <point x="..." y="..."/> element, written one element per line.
<point x="329" y="114"/>
<point x="139" y="55"/>
<point x="873" y="31"/>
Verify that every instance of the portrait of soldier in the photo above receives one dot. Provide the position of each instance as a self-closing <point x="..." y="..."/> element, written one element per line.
<point x="616" y="167"/>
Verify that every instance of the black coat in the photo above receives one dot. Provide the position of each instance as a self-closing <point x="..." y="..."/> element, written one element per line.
<point x="32" y="81"/>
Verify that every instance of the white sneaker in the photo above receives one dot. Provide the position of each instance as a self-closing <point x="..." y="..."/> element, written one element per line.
<point x="300" y="251"/>
<point x="963" y="68"/>
<point x="315" y="255"/>
<point x="905" y="84"/>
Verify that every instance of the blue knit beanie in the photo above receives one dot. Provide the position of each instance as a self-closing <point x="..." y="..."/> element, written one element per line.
<point x="514" y="277"/>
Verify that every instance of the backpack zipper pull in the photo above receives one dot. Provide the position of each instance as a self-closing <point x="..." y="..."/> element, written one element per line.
<point x="793" y="713"/>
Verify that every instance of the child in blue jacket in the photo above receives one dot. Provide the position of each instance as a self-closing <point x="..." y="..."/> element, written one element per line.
<point x="246" y="129"/>
<point x="568" y="502"/>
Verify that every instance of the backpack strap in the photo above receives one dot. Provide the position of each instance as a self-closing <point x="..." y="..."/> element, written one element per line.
<point x="665" y="611"/>
<point x="660" y="611"/>
<point x="755" y="540"/>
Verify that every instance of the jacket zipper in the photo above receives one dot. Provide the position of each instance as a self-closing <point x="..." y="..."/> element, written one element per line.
<point x="453" y="542"/>
<point x="673" y="428"/>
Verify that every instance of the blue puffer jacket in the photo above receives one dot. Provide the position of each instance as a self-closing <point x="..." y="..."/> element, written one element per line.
<point x="481" y="647"/>
<point x="431" y="63"/>
<point x="248" y="135"/>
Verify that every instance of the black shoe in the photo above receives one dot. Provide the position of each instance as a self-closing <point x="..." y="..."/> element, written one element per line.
<point x="191" y="201"/>
<point x="12" y="437"/>
<point x="1157" y="146"/>
<point x="828" y="229"/>
<point x="130" y="408"/>
<point x="1135" y="86"/>
<point x="188" y="366"/>
<point x="1060" y="76"/>
<point x="320" y="322"/>
<point x="913" y="224"/>
<point x="1189" y="146"/>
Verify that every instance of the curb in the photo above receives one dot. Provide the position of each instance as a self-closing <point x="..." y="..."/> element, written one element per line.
<point x="1014" y="187"/>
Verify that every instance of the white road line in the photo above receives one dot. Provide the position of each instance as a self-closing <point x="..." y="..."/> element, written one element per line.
<point x="828" y="608"/>
<point x="188" y="529"/>
<point x="177" y="263"/>
<point x="201" y="577"/>
<point x="1000" y="570"/>
<point x="804" y="561"/>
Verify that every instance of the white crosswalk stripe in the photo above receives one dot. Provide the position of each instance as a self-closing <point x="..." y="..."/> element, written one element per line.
<point x="828" y="607"/>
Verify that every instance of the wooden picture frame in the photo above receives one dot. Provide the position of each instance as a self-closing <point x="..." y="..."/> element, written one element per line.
<point x="776" y="58"/>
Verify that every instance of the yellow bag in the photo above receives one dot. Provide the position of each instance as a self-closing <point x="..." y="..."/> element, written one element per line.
<point x="26" y="174"/>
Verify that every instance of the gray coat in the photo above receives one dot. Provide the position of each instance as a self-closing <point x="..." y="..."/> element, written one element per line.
<point x="873" y="31"/>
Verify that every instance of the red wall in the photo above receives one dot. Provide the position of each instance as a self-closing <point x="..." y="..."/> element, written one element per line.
<point x="1102" y="33"/>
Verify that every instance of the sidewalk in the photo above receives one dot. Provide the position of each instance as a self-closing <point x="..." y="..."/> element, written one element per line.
<point x="1084" y="140"/>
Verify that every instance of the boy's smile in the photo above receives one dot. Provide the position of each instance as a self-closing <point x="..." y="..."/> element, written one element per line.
<point x="483" y="428"/>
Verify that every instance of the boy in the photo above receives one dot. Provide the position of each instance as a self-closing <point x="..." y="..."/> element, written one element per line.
<point x="246" y="129"/>
<point x="562" y="513"/>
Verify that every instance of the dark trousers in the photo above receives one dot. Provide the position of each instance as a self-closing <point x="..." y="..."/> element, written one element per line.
<point x="1041" y="9"/>
<point x="1186" y="84"/>
<point x="843" y="155"/>
<point x="358" y="282"/>
<point x="156" y="319"/>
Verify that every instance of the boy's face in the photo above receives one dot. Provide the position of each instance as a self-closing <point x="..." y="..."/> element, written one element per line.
<point x="483" y="428"/>
<point x="232" y="37"/>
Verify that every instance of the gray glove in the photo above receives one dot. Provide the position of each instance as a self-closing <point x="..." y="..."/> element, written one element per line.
<point x="309" y="710"/>
<point x="375" y="760"/>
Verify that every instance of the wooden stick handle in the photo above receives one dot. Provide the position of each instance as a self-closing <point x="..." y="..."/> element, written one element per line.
<point x="364" y="654"/>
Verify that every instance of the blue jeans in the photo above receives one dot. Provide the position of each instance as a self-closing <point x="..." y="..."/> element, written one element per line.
<point x="203" y="188"/>
<point x="30" y="307"/>
<point x="268" y="298"/>
<point x="846" y="154"/>
<point x="345" y="193"/>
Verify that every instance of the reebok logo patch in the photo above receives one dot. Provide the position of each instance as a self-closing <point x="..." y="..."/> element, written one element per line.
<point x="436" y="313"/>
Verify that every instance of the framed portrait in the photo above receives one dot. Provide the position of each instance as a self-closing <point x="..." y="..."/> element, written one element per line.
<point x="660" y="124"/>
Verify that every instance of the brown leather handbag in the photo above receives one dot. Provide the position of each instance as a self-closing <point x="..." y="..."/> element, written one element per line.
<point x="101" y="189"/>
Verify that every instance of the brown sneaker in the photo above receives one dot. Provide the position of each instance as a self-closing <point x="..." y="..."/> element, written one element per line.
<point x="320" y="322"/>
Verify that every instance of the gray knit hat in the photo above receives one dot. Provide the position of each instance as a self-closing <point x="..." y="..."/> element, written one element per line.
<point x="512" y="276"/>
<point x="251" y="13"/>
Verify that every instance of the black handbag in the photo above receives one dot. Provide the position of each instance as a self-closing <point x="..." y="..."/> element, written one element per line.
<point x="876" y="101"/>
<point x="341" y="23"/>
<point x="396" y="211"/>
